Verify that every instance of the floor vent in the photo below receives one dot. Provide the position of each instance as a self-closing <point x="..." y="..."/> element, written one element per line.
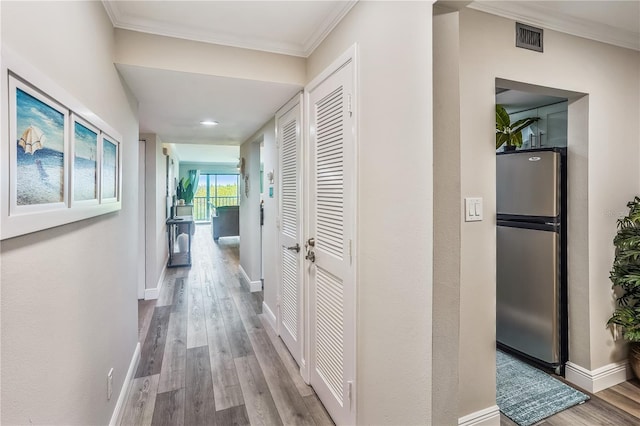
<point x="528" y="37"/>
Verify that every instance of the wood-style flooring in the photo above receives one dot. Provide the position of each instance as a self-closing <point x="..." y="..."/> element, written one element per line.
<point x="616" y="406"/>
<point x="209" y="357"/>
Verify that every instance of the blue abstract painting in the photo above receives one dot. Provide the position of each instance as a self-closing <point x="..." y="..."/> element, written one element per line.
<point x="40" y="151"/>
<point x="109" y="168"/>
<point x="85" y="165"/>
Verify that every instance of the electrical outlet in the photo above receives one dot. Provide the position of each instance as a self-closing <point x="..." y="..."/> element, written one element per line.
<point x="110" y="384"/>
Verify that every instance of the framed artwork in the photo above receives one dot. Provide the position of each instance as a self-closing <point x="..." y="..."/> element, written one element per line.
<point x="110" y="169"/>
<point x="38" y="149"/>
<point x="84" y="172"/>
<point x="59" y="161"/>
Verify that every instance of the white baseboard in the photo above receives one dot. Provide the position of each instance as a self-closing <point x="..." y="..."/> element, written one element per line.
<point x="270" y="317"/>
<point x="600" y="378"/>
<point x="124" y="391"/>
<point x="154" y="293"/>
<point x="253" y="285"/>
<point x="489" y="416"/>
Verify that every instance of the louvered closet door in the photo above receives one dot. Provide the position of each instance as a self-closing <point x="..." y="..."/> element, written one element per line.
<point x="290" y="291"/>
<point x="331" y="223"/>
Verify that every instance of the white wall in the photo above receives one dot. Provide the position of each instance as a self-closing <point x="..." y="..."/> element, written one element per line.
<point x="603" y="176"/>
<point x="68" y="303"/>
<point x="250" y="245"/>
<point x="270" y="247"/>
<point x="212" y="168"/>
<point x="167" y="53"/>
<point x="395" y="219"/>
<point x="446" y="227"/>
<point x="157" y="250"/>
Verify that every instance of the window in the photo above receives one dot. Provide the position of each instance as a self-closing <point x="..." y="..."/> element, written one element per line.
<point x="215" y="190"/>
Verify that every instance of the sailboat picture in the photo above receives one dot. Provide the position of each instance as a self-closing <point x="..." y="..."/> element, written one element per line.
<point x="39" y="151"/>
<point x="85" y="164"/>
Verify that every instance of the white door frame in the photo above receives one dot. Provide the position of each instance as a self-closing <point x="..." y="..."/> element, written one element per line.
<point x="296" y="101"/>
<point x="350" y="55"/>
<point x="142" y="208"/>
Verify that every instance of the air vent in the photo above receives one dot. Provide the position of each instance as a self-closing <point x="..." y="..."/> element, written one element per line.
<point x="528" y="37"/>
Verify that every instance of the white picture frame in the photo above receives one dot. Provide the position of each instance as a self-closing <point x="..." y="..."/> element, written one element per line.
<point x="20" y="217"/>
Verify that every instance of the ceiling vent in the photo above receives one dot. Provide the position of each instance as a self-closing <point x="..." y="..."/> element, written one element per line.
<point x="528" y="37"/>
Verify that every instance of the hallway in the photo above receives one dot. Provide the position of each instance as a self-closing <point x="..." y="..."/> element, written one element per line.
<point x="209" y="357"/>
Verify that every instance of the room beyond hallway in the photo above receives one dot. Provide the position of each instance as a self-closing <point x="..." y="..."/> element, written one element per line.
<point x="209" y="357"/>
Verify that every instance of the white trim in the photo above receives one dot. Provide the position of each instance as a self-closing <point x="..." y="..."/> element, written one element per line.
<point x="327" y="26"/>
<point x="550" y="18"/>
<point x="253" y="285"/>
<point x="124" y="390"/>
<point x="350" y="56"/>
<point x="270" y="317"/>
<point x="489" y="416"/>
<point x="154" y="293"/>
<point x="600" y="378"/>
<point x="152" y="26"/>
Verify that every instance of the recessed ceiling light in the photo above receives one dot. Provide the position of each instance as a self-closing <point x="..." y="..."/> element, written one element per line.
<point x="209" y="123"/>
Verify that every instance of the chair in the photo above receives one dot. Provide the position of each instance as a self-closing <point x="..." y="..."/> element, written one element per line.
<point x="226" y="222"/>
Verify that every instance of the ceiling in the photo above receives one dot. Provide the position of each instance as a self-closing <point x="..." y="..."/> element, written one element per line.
<point x="516" y="100"/>
<point x="171" y="104"/>
<point x="207" y="153"/>
<point x="289" y="27"/>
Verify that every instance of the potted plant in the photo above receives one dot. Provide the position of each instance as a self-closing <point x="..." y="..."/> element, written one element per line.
<point x="508" y="133"/>
<point x="625" y="276"/>
<point x="185" y="190"/>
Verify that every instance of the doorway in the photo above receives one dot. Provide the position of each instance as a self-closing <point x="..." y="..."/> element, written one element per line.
<point x="561" y="125"/>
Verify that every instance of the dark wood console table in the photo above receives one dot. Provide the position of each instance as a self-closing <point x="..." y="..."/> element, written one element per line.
<point x="175" y="225"/>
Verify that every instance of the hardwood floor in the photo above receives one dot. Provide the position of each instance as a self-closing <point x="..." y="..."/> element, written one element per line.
<point x="210" y="358"/>
<point x="615" y="406"/>
<point x="208" y="355"/>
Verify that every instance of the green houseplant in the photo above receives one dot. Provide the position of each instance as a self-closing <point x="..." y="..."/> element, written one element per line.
<point x="510" y="133"/>
<point x="625" y="276"/>
<point x="185" y="190"/>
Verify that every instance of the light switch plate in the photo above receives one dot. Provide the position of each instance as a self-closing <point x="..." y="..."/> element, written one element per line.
<point x="472" y="209"/>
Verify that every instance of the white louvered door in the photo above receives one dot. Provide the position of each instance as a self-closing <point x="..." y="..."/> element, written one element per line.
<point x="332" y="225"/>
<point x="290" y="322"/>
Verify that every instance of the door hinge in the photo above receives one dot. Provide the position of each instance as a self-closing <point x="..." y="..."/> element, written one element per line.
<point x="350" y="391"/>
<point x="349" y="110"/>
<point x="351" y="252"/>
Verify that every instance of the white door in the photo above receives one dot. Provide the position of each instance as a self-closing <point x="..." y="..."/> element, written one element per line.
<point x="331" y="267"/>
<point x="290" y="325"/>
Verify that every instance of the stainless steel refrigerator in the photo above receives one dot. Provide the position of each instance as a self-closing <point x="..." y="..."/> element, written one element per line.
<point x="531" y="294"/>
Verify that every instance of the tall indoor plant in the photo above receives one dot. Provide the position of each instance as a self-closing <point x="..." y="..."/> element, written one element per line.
<point x="185" y="190"/>
<point x="510" y="133"/>
<point x="625" y="276"/>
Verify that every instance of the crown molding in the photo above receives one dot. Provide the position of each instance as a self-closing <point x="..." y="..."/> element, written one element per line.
<point x="540" y="16"/>
<point x="119" y="20"/>
<point x="327" y="26"/>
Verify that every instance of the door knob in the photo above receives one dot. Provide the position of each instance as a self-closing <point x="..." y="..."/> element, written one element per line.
<point x="309" y="245"/>
<point x="295" y="248"/>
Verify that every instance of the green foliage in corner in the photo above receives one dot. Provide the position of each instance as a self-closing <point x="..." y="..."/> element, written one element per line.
<point x="625" y="274"/>
<point x="509" y="133"/>
<point x="185" y="191"/>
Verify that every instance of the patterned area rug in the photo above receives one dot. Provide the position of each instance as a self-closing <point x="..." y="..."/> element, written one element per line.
<point x="527" y="395"/>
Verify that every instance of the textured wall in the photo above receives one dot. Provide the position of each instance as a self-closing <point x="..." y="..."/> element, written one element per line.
<point x="69" y="293"/>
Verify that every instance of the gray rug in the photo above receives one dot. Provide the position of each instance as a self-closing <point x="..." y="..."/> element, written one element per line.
<point x="527" y="395"/>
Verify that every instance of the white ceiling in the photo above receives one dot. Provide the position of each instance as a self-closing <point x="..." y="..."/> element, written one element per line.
<point x="288" y="27"/>
<point x="207" y="153"/>
<point x="171" y="104"/>
<point x="516" y="100"/>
